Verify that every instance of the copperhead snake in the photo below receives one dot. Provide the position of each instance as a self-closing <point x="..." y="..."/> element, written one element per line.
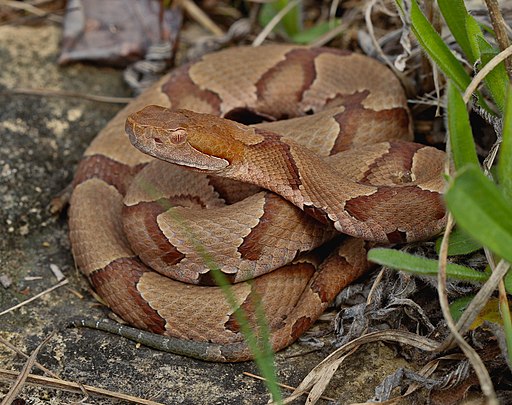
<point x="332" y="156"/>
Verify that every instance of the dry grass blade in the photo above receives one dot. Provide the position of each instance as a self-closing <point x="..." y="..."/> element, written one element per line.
<point x="316" y="376"/>
<point x="64" y="93"/>
<point x="18" y="351"/>
<point x="482" y="297"/>
<point x="47" y="382"/>
<point x="22" y="377"/>
<point x="200" y="17"/>
<point x="63" y="282"/>
<point x="288" y="387"/>
<point x="476" y="362"/>
<point x="273" y="22"/>
<point x="326" y="377"/>
<point x="485" y="71"/>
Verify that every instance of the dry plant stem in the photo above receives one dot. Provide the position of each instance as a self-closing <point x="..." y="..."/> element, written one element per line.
<point x="332" y="9"/>
<point x="200" y="17"/>
<point x="273" y="22"/>
<point x="371" y="32"/>
<point x="29" y="8"/>
<point x="369" y="25"/>
<point x="47" y="382"/>
<point x="407" y="338"/>
<point x="485" y="70"/>
<point x="480" y="370"/>
<point x="500" y="28"/>
<point x="321" y="382"/>
<point x="331" y="34"/>
<point x="288" y="387"/>
<point x="64" y="93"/>
<point x="18" y="351"/>
<point x="481" y="298"/>
<point x="24" y="373"/>
<point x="63" y="282"/>
<point x="375" y="284"/>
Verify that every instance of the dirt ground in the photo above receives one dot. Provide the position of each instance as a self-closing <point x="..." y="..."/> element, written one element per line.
<point x="41" y="141"/>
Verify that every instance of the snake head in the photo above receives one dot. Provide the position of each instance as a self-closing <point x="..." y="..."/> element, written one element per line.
<point x="202" y="142"/>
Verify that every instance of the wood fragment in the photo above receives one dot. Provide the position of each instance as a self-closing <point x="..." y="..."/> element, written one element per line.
<point x="57" y="272"/>
<point x="23" y="375"/>
<point x="5" y="280"/>
<point x="64" y="282"/>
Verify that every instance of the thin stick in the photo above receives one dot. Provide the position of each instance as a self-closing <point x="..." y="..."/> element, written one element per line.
<point x="63" y="282"/>
<point x="500" y="28"/>
<point x="47" y="382"/>
<point x="288" y="387"/>
<point x="200" y="17"/>
<point x="64" y="93"/>
<point x="475" y="360"/>
<point x="273" y="22"/>
<point x="24" y="373"/>
<point x="485" y="71"/>
<point x="18" y="351"/>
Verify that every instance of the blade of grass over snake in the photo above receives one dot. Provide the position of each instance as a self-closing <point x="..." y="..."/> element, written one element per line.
<point x="481" y="209"/>
<point x="461" y="137"/>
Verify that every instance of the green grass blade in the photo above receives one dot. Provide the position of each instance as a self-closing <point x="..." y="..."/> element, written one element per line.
<point x="505" y="161"/>
<point x="460" y="243"/>
<point x="310" y="35"/>
<point x="421" y="265"/>
<point x="435" y="47"/>
<point x="257" y="340"/>
<point x="291" y="23"/>
<point x="497" y="79"/>
<point x="507" y="325"/>
<point x="461" y="137"/>
<point x="481" y="210"/>
<point x="457" y="18"/>
<point x="474" y="31"/>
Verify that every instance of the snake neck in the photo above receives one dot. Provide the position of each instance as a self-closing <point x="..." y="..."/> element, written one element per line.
<point x="272" y="163"/>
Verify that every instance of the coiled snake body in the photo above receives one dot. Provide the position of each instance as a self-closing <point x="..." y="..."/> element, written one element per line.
<point x="149" y="232"/>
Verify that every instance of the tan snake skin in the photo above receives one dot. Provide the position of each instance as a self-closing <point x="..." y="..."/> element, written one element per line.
<point x="148" y="233"/>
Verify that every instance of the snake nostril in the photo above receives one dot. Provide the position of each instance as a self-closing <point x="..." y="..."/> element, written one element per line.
<point x="157" y="140"/>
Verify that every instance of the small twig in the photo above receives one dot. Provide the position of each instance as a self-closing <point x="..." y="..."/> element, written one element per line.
<point x="332" y="360"/>
<point x="475" y="360"/>
<point x="500" y="29"/>
<point x="63" y="282"/>
<point x="485" y="71"/>
<point x="64" y="93"/>
<point x="200" y="17"/>
<point x="273" y="22"/>
<point x="24" y="373"/>
<point x="47" y="382"/>
<point x="288" y="387"/>
<point x="18" y="351"/>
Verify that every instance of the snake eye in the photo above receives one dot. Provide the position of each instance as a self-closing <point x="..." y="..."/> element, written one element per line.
<point x="178" y="136"/>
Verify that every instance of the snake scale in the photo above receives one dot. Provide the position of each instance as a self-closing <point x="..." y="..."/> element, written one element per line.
<point x="264" y="156"/>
